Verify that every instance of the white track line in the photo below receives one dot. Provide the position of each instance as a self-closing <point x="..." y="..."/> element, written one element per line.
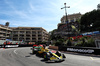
<point x="15" y="52"/>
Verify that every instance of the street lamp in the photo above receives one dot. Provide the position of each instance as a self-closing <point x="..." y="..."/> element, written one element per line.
<point x="66" y="11"/>
<point x="66" y="15"/>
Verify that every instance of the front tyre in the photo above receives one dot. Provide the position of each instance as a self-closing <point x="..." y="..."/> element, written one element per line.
<point x="33" y="52"/>
<point x="46" y="56"/>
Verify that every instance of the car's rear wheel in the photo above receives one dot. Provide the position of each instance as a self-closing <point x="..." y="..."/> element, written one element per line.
<point x="58" y="53"/>
<point x="63" y="56"/>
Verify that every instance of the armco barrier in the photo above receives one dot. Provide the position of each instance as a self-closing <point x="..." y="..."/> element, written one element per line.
<point x="81" y="50"/>
<point x="25" y="45"/>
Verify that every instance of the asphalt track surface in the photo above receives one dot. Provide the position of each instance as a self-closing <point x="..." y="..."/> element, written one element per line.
<point x="23" y="57"/>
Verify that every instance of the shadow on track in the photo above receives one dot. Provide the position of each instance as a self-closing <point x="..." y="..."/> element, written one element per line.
<point x="47" y="61"/>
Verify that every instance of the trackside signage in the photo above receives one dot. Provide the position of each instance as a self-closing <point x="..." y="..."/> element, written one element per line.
<point x="87" y="50"/>
<point x="14" y="45"/>
<point x="1" y="46"/>
<point x="11" y="46"/>
<point x="80" y="50"/>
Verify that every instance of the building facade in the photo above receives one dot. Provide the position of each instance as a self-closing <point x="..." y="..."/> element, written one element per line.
<point x="68" y="29"/>
<point x="29" y="34"/>
<point x="71" y="18"/>
<point x="5" y="32"/>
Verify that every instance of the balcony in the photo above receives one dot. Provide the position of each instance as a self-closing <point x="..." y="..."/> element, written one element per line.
<point x="15" y="33"/>
<point x="2" y="32"/>
<point x="7" y="36"/>
<point x="39" y="33"/>
<point x="2" y="38"/>
<point x="39" y="39"/>
<point x="3" y="27"/>
<point x="27" y="39"/>
<point x="21" y="33"/>
<point x="33" y="40"/>
<point x="27" y="36"/>
<point x="33" y="33"/>
<point x="8" y="32"/>
<point x="1" y="35"/>
<point x="15" y="37"/>
<point x="21" y="39"/>
<point x="28" y="32"/>
<point x="39" y="36"/>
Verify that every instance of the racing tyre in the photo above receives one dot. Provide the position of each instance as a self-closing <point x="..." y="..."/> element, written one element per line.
<point x="37" y="54"/>
<point x="58" y="53"/>
<point x="46" y="56"/>
<point x="63" y="56"/>
<point x="33" y="52"/>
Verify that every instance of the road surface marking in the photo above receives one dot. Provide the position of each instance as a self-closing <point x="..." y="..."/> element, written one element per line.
<point x="94" y="58"/>
<point x="91" y="58"/>
<point x="15" y="52"/>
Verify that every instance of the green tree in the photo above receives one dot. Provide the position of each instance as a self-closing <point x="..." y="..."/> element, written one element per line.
<point x="90" y="21"/>
<point x="59" y="42"/>
<point x="52" y="35"/>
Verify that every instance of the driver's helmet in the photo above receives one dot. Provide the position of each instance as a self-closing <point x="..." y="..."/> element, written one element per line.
<point x="46" y="50"/>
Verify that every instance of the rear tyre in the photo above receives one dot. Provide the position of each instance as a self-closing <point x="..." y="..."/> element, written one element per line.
<point x="63" y="56"/>
<point x="58" y="53"/>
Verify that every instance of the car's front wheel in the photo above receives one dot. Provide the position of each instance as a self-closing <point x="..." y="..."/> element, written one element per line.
<point x="46" y="56"/>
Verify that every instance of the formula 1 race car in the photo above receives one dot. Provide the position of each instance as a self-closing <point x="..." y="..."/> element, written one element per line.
<point x="37" y="48"/>
<point x="34" y="49"/>
<point x="48" y="55"/>
<point x="55" y="57"/>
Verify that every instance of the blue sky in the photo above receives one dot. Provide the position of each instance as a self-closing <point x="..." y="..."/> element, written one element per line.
<point x="41" y="13"/>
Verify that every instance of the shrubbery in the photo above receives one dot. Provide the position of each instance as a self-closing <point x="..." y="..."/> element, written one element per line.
<point x="59" y="42"/>
<point x="86" y="42"/>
